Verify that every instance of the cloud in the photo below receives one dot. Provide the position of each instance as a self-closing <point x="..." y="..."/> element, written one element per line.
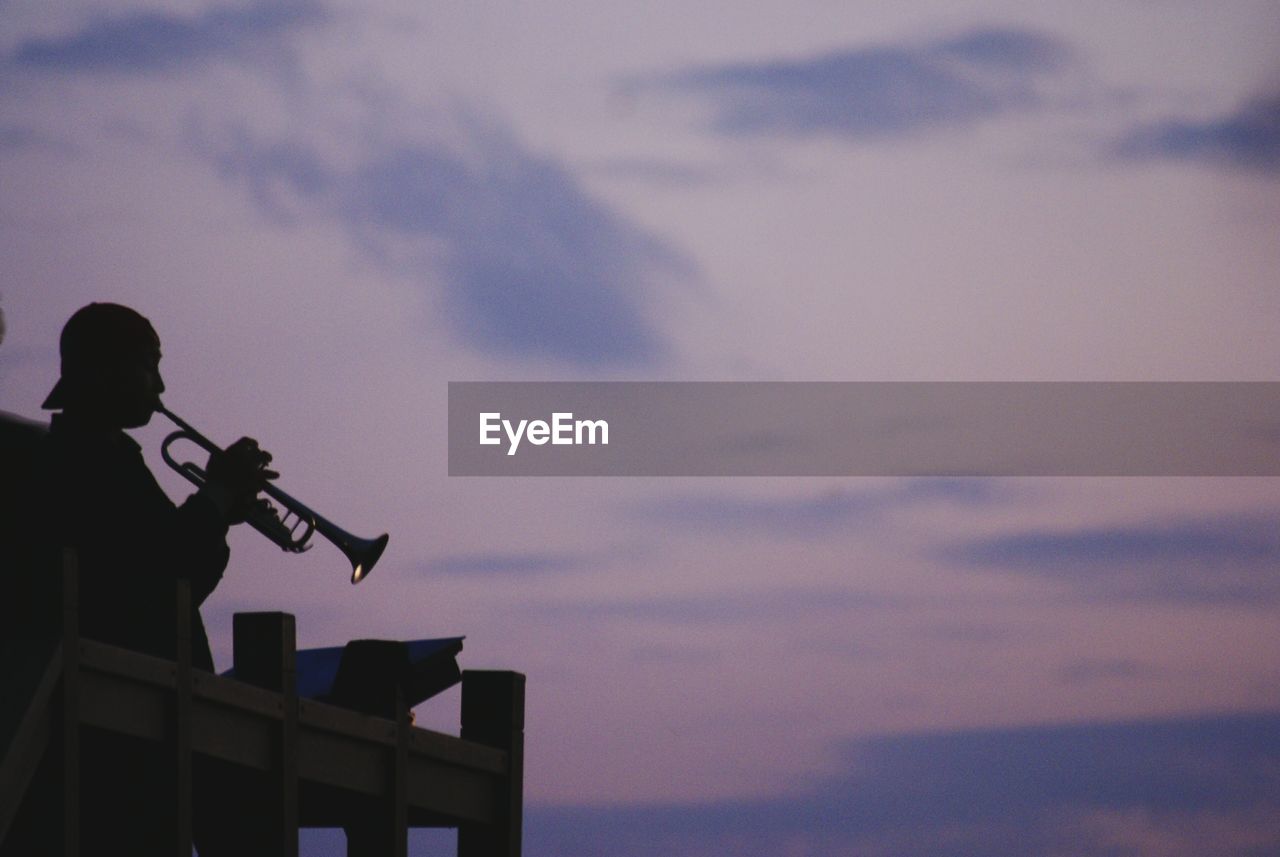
<point x="812" y="514"/>
<point x="880" y="91"/>
<point x="146" y="42"/>
<point x="1089" y="670"/>
<point x="1247" y="139"/>
<point x="532" y="264"/>
<point x="736" y="607"/>
<point x="19" y="137"/>
<point x="1145" y="788"/>
<point x="658" y="172"/>
<point x="505" y="564"/>
<point x="14" y="358"/>
<point x="1224" y="559"/>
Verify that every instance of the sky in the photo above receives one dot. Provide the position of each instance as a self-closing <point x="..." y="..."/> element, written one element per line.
<point x="331" y="209"/>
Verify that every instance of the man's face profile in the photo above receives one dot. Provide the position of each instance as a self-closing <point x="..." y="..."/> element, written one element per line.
<point x="132" y="388"/>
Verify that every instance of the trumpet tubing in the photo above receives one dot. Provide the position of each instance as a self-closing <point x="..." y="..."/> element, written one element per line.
<point x="290" y="529"/>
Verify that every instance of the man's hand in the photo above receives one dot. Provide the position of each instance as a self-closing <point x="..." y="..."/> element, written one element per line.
<point x="236" y="475"/>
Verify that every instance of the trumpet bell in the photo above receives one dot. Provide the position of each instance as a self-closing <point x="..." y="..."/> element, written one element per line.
<point x="363" y="553"/>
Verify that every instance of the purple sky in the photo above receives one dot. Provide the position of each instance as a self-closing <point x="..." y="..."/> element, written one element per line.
<point x="330" y="209"/>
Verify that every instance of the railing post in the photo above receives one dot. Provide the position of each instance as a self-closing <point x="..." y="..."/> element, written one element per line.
<point x="493" y="714"/>
<point x="400" y="780"/>
<point x="69" y="731"/>
<point x="265" y="654"/>
<point x="182" y="718"/>
<point x="40" y="713"/>
<point x="385" y="832"/>
<point x="371" y="680"/>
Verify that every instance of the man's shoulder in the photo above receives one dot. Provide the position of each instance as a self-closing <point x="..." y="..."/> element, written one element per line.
<point x="22" y="444"/>
<point x="16" y="431"/>
<point x="22" y="451"/>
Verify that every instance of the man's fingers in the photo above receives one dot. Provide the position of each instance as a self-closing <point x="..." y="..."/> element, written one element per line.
<point x="247" y="454"/>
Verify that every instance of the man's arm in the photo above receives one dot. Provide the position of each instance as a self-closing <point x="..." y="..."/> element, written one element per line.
<point x="198" y="544"/>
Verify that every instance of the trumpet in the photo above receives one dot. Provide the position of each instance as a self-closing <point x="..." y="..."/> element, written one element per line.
<point x="292" y="528"/>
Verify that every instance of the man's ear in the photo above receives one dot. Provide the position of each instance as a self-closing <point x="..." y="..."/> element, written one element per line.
<point x="95" y="386"/>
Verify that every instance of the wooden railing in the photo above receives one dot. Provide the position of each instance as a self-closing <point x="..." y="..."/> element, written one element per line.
<point x="316" y="764"/>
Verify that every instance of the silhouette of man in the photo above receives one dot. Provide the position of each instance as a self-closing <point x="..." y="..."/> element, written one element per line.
<point x="132" y="542"/>
<point x="94" y="493"/>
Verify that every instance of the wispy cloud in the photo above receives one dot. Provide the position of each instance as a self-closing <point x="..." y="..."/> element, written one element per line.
<point x="658" y="171"/>
<point x="1249" y="138"/>
<point x="20" y="137"/>
<point x="1226" y="559"/>
<point x="795" y="603"/>
<point x="1089" y="670"/>
<point x="24" y="139"/>
<point x="816" y="513"/>
<point x="1197" y="785"/>
<point x="880" y="91"/>
<point x="502" y="565"/>
<point x="148" y="42"/>
<point x="16" y="357"/>
<point x="532" y="265"/>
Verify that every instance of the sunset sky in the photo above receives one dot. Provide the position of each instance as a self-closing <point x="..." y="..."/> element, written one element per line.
<point x="330" y="209"/>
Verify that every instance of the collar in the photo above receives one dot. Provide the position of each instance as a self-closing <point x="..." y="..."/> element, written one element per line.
<point x="67" y="428"/>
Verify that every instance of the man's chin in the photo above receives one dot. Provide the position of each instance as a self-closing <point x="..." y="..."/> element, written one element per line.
<point x="138" y="420"/>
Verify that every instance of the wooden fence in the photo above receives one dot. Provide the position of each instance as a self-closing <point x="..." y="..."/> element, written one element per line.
<point x="309" y="763"/>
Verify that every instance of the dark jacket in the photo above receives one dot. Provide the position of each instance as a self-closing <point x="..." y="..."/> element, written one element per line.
<point x="92" y="491"/>
<point x="27" y="602"/>
<point x="132" y="542"/>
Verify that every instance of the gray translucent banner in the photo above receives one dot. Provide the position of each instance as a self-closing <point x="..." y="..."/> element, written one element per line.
<point x="864" y="429"/>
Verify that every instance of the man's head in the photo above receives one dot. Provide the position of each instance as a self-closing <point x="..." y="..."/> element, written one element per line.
<point x="110" y="367"/>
